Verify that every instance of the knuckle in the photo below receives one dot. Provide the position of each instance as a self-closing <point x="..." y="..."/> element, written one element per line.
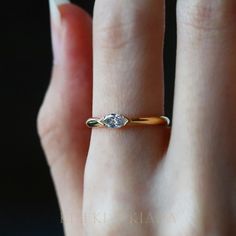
<point x="121" y="31"/>
<point x="59" y="135"/>
<point x="207" y="15"/>
<point x="51" y="137"/>
<point x="117" y="35"/>
<point x="48" y="128"/>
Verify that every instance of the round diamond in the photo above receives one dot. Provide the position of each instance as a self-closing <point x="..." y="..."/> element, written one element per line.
<point x="114" y="121"/>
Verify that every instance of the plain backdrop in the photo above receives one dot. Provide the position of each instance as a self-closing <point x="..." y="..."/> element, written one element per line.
<point x="28" y="204"/>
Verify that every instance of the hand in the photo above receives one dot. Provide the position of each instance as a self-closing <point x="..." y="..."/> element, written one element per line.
<point x="144" y="180"/>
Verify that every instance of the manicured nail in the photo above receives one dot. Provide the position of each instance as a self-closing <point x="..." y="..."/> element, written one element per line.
<point x="54" y="10"/>
<point x="57" y="36"/>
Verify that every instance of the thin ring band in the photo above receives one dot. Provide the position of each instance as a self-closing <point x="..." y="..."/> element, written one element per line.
<point x="118" y="121"/>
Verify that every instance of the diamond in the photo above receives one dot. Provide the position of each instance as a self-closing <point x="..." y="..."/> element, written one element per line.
<point x="114" y="121"/>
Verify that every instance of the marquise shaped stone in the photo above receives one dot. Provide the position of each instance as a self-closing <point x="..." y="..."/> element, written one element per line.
<point x="114" y="121"/>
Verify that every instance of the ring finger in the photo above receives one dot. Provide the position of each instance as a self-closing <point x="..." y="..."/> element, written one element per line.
<point x="128" y="79"/>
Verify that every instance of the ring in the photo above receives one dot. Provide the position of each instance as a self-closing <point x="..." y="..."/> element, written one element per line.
<point x="118" y="121"/>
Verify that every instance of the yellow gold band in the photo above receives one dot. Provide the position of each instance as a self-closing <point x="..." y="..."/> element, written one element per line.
<point x="119" y="121"/>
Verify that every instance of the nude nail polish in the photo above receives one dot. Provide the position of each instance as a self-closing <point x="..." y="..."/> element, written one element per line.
<point x="56" y="29"/>
<point x="54" y="10"/>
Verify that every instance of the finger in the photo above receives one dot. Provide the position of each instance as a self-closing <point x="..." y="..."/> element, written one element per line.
<point x="206" y="69"/>
<point x="205" y="96"/>
<point x="128" y="79"/>
<point x="128" y="57"/>
<point x="63" y="133"/>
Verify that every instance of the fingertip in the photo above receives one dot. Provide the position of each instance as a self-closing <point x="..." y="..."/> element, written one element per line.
<point x="71" y="81"/>
<point x="72" y="10"/>
<point x="72" y="40"/>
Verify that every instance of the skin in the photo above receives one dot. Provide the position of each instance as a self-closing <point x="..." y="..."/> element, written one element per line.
<point x="144" y="180"/>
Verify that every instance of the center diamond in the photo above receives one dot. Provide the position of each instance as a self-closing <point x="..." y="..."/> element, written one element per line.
<point x="114" y="121"/>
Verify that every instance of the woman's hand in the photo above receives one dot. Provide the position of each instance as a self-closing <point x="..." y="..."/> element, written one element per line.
<point x="144" y="180"/>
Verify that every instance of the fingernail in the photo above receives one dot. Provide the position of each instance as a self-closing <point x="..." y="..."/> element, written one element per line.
<point x="56" y="29"/>
<point x="54" y="10"/>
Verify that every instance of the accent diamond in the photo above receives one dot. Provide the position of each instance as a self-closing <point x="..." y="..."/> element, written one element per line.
<point x="114" y="121"/>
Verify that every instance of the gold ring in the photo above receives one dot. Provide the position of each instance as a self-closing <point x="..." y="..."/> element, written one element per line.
<point x="118" y="121"/>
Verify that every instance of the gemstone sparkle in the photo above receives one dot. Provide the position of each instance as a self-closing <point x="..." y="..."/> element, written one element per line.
<point x="114" y="120"/>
